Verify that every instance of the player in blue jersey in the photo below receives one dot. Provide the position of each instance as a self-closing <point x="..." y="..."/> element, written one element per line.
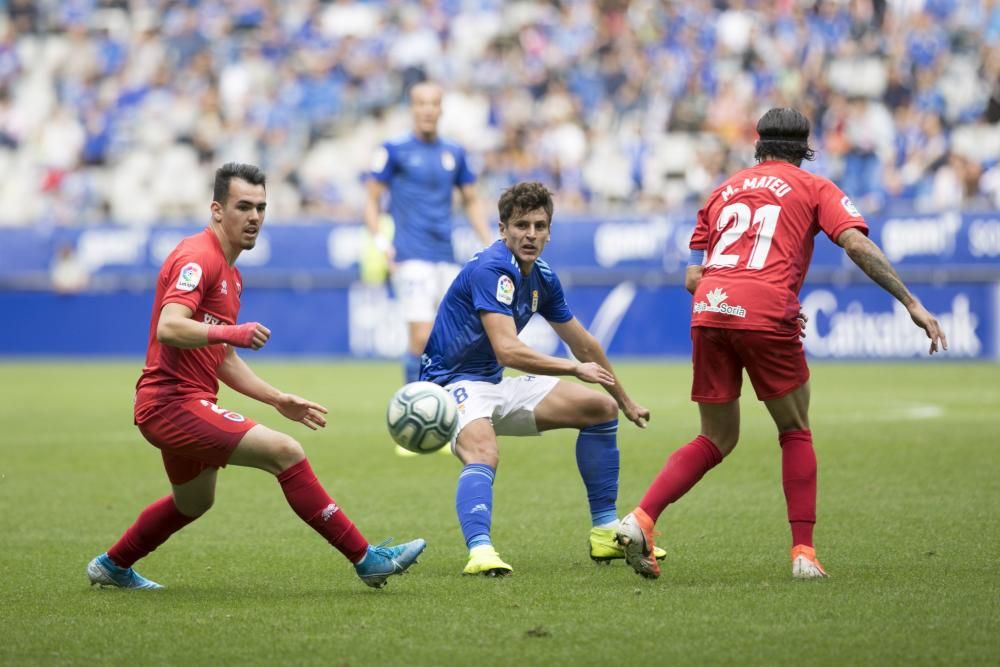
<point x="475" y="337"/>
<point x="420" y="171"/>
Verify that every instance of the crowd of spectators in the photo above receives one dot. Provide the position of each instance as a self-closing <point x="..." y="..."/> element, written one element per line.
<point x="120" y="109"/>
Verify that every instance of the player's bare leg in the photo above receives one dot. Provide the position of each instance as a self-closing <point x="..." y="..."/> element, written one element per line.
<point x="571" y="405"/>
<point x="476" y="446"/>
<point x="477" y="443"/>
<point x="196" y="497"/>
<point x="268" y="450"/>
<point x="798" y="477"/>
<point x="791" y="411"/>
<point x="720" y="423"/>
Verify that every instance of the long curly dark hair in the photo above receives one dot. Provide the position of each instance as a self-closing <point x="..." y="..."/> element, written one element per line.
<point x="784" y="134"/>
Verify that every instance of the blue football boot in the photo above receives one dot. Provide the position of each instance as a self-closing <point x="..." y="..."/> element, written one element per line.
<point x="383" y="561"/>
<point x="103" y="572"/>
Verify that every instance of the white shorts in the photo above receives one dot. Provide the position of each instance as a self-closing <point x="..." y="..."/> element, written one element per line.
<point x="420" y="286"/>
<point x="509" y="405"/>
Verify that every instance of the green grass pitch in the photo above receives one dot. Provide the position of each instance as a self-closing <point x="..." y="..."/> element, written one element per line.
<point x="908" y="529"/>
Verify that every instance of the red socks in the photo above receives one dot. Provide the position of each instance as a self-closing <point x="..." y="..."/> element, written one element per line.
<point x="682" y="471"/>
<point x="310" y="501"/>
<point x="689" y="464"/>
<point x="798" y="477"/>
<point x="154" y="526"/>
<point x="303" y="491"/>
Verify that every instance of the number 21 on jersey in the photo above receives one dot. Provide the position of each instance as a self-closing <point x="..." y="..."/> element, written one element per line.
<point x="735" y="219"/>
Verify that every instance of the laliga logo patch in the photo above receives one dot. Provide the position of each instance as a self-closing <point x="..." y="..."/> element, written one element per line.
<point x="850" y="207"/>
<point x="505" y="290"/>
<point x="189" y="278"/>
<point x="448" y="161"/>
<point x="534" y="301"/>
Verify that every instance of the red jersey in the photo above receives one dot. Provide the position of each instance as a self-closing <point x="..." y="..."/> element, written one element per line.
<point x="757" y="231"/>
<point x="197" y="275"/>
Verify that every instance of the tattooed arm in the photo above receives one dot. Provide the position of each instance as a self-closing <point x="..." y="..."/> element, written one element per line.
<point x="870" y="259"/>
<point x="876" y="266"/>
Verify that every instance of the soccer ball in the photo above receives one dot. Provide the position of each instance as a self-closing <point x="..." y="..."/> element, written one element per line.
<point x="421" y="417"/>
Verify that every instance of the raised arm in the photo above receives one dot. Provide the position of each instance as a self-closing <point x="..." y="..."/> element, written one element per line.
<point x="237" y="375"/>
<point x="474" y="212"/>
<point x="513" y="353"/>
<point x="176" y="329"/>
<point x="585" y="347"/>
<point x="870" y="259"/>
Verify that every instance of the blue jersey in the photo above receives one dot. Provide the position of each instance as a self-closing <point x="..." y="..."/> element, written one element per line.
<point x="491" y="282"/>
<point x="420" y="177"/>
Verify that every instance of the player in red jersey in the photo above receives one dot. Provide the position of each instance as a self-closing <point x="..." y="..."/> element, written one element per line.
<point x="193" y="338"/>
<point x="750" y="251"/>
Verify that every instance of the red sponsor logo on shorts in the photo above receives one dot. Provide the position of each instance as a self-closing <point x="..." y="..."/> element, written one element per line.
<point x="228" y="414"/>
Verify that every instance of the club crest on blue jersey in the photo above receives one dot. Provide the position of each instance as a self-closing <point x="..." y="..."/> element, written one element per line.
<point x="447" y="161"/>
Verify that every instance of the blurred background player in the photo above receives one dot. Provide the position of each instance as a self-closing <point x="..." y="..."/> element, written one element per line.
<point x="750" y="251"/>
<point x="475" y="337"/>
<point x="192" y="341"/>
<point x="420" y="171"/>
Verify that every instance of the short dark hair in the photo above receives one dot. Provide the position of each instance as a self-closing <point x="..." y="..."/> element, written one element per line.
<point x="523" y="197"/>
<point x="227" y="172"/>
<point x="430" y="83"/>
<point x="784" y="134"/>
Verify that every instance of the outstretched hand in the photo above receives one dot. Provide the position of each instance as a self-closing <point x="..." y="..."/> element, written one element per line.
<point x="923" y="319"/>
<point x="595" y="373"/>
<point x="300" y="410"/>
<point x="635" y="413"/>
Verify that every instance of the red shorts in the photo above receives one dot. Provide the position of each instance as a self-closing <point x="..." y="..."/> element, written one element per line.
<point x="194" y="435"/>
<point x="776" y="363"/>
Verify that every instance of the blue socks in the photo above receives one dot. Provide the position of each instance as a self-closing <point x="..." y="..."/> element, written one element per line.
<point x="474" y="503"/>
<point x="411" y="367"/>
<point x="597" y="459"/>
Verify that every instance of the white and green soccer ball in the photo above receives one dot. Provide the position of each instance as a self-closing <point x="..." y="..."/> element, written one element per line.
<point x="422" y="417"/>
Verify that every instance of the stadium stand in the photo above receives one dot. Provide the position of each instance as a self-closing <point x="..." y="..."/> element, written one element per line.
<point x="637" y="106"/>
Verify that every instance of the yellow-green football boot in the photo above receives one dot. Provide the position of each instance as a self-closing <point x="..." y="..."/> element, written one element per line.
<point x="604" y="548"/>
<point x="486" y="561"/>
